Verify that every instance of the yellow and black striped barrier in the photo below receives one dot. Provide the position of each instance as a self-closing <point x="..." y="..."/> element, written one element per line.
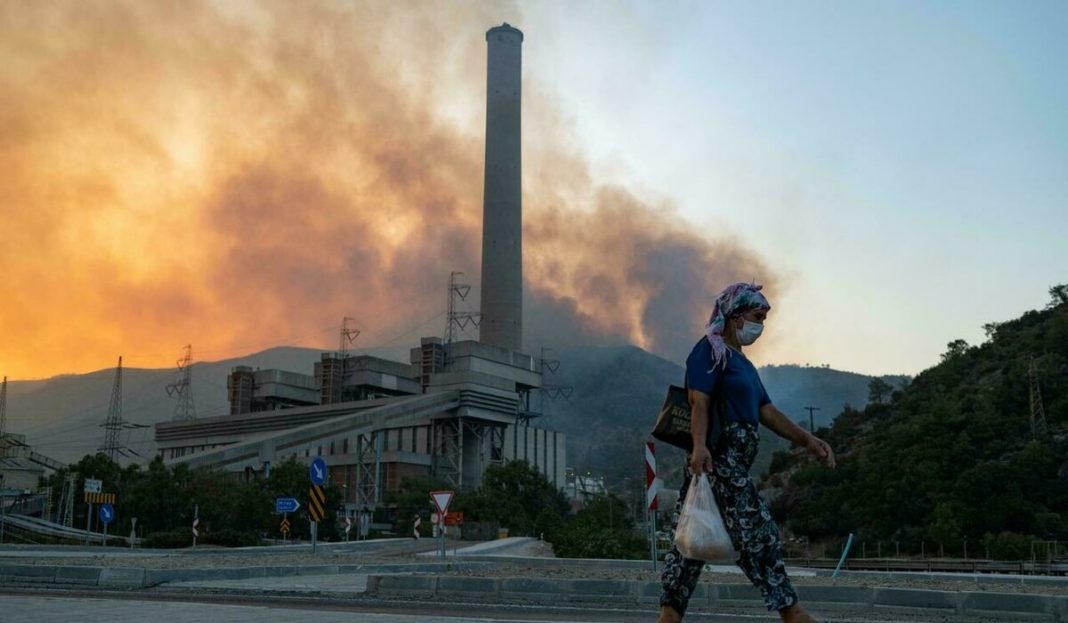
<point x="316" y="503"/>
<point x="99" y="498"/>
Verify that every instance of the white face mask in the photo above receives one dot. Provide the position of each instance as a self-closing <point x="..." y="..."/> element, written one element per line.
<point x="749" y="332"/>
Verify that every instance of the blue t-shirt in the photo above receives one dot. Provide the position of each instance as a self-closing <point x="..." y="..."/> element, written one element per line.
<point x="744" y="394"/>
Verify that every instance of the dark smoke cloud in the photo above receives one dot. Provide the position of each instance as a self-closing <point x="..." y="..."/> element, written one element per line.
<point x="243" y="175"/>
<point x="627" y="271"/>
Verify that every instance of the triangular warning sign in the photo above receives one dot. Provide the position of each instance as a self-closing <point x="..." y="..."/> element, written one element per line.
<point x="441" y="500"/>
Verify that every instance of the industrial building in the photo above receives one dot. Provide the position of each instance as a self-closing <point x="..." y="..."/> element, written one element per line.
<point x="17" y="469"/>
<point x="455" y="408"/>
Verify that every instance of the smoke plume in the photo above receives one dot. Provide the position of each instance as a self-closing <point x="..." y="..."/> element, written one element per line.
<point x="238" y="176"/>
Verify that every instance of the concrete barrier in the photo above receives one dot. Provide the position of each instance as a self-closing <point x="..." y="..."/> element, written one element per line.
<point x="124" y="577"/>
<point x="916" y="598"/>
<point x="621" y="592"/>
<point x="137" y="577"/>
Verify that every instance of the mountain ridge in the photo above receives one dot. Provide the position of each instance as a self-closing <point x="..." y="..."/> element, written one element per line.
<point x="62" y="416"/>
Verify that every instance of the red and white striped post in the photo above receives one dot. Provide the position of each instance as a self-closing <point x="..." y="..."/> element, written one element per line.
<point x="652" y="485"/>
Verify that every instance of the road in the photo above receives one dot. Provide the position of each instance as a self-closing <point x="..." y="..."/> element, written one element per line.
<point x="58" y="606"/>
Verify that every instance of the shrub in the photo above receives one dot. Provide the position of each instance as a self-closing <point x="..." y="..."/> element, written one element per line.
<point x="168" y="540"/>
<point x="1007" y="545"/>
<point x="230" y="538"/>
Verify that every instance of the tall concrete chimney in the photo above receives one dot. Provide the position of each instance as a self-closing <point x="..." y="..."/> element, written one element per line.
<point x="502" y="201"/>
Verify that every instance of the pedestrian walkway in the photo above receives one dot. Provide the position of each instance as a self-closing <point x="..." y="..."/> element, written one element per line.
<point x="44" y="609"/>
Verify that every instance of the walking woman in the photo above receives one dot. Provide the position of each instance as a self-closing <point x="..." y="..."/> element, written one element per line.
<point x="717" y="367"/>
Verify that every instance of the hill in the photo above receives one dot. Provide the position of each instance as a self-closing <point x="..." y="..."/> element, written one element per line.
<point x="618" y="390"/>
<point x="952" y="459"/>
<point x="62" y="417"/>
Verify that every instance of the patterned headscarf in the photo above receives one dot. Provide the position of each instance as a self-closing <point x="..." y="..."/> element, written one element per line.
<point x="733" y="300"/>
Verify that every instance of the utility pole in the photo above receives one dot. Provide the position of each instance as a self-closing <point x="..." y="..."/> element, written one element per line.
<point x="183" y="388"/>
<point x="551" y="390"/>
<point x="1038" y="412"/>
<point x="114" y="425"/>
<point x="348" y="336"/>
<point x="3" y="417"/>
<point x="811" y="422"/>
<point x="68" y="499"/>
<point x="458" y="320"/>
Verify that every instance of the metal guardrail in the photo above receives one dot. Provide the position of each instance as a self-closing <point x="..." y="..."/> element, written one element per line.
<point x="26" y="525"/>
<point x="937" y="565"/>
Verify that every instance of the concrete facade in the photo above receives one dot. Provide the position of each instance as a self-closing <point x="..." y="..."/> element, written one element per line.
<point x="502" y="208"/>
<point x="21" y="467"/>
<point x="450" y="418"/>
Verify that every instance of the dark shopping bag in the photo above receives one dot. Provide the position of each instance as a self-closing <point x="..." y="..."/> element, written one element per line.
<point x="673" y="421"/>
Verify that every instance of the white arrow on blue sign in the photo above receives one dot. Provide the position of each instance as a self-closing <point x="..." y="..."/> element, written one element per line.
<point x="107" y="513"/>
<point x="317" y="471"/>
<point x="286" y="505"/>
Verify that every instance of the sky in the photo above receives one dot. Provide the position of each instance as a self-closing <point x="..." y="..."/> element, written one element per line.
<point x="241" y="175"/>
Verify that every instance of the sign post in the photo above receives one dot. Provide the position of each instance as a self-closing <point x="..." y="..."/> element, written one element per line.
<point x="284" y="506"/>
<point x="92" y="485"/>
<point x="196" y="522"/>
<point x="441" y="502"/>
<point x="316" y="496"/>
<point x="133" y="531"/>
<point x="652" y="485"/>
<point x="285" y="527"/>
<point x="107" y="514"/>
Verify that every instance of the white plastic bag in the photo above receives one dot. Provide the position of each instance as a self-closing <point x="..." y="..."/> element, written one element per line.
<point x="701" y="534"/>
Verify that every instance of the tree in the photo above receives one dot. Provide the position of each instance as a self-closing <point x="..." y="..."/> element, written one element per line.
<point x="413" y="498"/>
<point x="945" y="529"/>
<point x="878" y="390"/>
<point x="955" y="349"/>
<point x="601" y="530"/>
<point x="1058" y="295"/>
<point x="512" y="494"/>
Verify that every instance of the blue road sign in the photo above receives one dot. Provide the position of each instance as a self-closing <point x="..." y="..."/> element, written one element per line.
<point x="286" y="505"/>
<point x="107" y="513"/>
<point x="317" y="471"/>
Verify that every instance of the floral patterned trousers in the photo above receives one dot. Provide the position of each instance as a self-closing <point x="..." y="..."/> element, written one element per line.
<point x="753" y="532"/>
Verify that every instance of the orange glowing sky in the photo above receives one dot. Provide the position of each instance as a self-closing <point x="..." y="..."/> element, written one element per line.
<point x="243" y="175"/>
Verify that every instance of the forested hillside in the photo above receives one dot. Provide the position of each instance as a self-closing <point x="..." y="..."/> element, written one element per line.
<point x="617" y="391"/>
<point x="953" y="458"/>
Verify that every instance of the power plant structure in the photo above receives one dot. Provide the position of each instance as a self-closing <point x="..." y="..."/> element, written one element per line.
<point x="502" y="199"/>
<point x="455" y="408"/>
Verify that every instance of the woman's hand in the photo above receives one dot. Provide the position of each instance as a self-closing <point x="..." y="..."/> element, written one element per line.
<point x="700" y="460"/>
<point x="821" y="450"/>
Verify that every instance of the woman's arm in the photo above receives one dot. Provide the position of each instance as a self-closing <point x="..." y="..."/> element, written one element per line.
<point x="701" y="457"/>
<point x="786" y="428"/>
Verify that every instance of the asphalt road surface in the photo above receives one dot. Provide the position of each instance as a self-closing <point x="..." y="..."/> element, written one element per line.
<point x="53" y="606"/>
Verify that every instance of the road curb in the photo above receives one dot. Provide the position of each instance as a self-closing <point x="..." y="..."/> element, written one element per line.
<point x="136" y="577"/>
<point x="965" y="603"/>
